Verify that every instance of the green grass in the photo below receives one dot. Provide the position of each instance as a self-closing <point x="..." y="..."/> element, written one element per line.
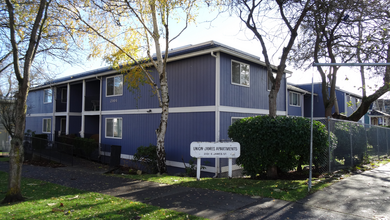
<point x="44" y="200"/>
<point x="289" y="190"/>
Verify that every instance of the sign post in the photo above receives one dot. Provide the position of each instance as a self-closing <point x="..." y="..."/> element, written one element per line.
<point x="214" y="150"/>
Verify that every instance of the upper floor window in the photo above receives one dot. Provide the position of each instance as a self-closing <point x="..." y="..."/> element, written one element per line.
<point x="114" y="85"/>
<point x="295" y="99"/>
<point x="240" y="73"/>
<point x="47" y="96"/>
<point x="46" y="127"/>
<point x="114" y="127"/>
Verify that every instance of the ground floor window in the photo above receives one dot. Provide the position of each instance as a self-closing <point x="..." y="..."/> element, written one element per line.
<point x="46" y="128"/>
<point x="114" y="127"/>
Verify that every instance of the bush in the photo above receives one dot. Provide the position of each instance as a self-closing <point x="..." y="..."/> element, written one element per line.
<point x="84" y="147"/>
<point x="147" y="156"/>
<point x="280" y="141"/>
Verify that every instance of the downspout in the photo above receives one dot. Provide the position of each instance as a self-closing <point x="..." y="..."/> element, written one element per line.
<point x="53" y="129"/>
<point x="217" y="104"/>
<point x="287" y="94"/>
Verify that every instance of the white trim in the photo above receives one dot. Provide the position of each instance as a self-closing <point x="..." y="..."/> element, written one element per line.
<point x="40" y="115"/>
<point x="54" y="93"/>
<point x="105" y="130"/>
<point x="249" y="110"/>
<point x="51" y="126"/>
<point x="298" y="98"/>
<point x="67" y="109"/>
<point x="231" y="73"/>
<point x="217" y="104"/>
<point x="210" y="108"/>
<point x="176" y="163"/>
<point x="231" y="119"/>
<point x="234" y="167"/>
<point x="61" y="123"/>
<point x="84" y="87"/>
<point x="114" y="86"/>
<point x="62" y="94"/>
<point x="44" y="94"/>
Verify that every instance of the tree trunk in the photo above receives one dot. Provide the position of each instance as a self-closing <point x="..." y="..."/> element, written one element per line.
<point x="14" y="193"/>
<point x="161" y="130"/>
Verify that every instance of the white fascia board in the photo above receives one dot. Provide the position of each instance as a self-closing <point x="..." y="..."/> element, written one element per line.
<point x="158" y="110"/>
<point x="249" y="110"/>
<point x="40" y="115"/>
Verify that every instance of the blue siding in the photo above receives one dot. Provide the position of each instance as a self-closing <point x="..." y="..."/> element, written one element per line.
<point x="183" y="128"/>
<point x="91" y="125"/>
<point x="255" y="96"/>
<point x="35" y="124"/>
<point x="35" y="103"/>
<point x="226" y="121"/>
<point x="61" y="104"/>
<point x="76" y="97"/>
<point x="74" y="125"/>
<point x="191" y="82"/>
<point x="144" y="98"/>
<point x="295" y="110"/>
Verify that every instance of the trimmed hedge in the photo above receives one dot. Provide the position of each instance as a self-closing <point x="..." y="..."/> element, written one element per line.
<point x="279" y="141"/>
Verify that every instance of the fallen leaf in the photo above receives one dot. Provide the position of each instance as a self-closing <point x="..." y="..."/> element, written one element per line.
<point x="51" y="204"/>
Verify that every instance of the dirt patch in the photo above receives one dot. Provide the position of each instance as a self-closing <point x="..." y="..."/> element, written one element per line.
<point x="43" y="163"/>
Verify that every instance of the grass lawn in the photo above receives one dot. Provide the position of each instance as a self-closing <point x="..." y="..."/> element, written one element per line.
<point x="51" y="201"/>
<point x="289" y="190"/>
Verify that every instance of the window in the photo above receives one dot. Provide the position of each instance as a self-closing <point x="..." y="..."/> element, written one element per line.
<point x="114" y="127"/>
<point x="47" y="96"/>
<point x="46" y="128"/>
<point x="64" y="95"/>
<point x="240" y="73"/>
<point x="295" y="99"/>
<point x="114" y="85"/>
<point x="234" y="119"/>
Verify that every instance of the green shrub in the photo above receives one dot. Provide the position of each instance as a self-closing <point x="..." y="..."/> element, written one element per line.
<point x="280" y="141"/>
<point x="147" y="156"/>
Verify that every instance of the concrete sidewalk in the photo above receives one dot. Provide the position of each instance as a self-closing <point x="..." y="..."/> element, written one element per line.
<point x="363" y="196"/>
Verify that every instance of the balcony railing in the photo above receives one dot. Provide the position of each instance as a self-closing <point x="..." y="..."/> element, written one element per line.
<point x="92" y="103"/>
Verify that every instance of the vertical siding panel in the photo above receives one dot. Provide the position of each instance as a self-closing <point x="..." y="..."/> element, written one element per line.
<point x="35" y="103"/>
<point x="255" y="96"/>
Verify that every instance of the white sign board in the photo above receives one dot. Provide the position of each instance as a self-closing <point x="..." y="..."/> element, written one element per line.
<point x="215" y="150"/>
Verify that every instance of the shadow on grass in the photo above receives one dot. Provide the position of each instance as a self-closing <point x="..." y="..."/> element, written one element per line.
<point x="51" y="201"/>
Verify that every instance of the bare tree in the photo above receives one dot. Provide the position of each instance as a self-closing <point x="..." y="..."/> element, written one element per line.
<point x="29" y="29"/>
<point x="344" y="32"/>
<point x="287" y="17"/>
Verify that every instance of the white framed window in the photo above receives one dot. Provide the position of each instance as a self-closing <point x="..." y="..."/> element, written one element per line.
<point x="234" y="119"/>
<point x="47" y="96"/>
<point x="46" y="126"/>
<point x="240" y="73"/>
<point x="114" y="85"/>
<point x="64" y="95"/>
<point x="295" y="99"/>
<point x="114" y="127"/>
